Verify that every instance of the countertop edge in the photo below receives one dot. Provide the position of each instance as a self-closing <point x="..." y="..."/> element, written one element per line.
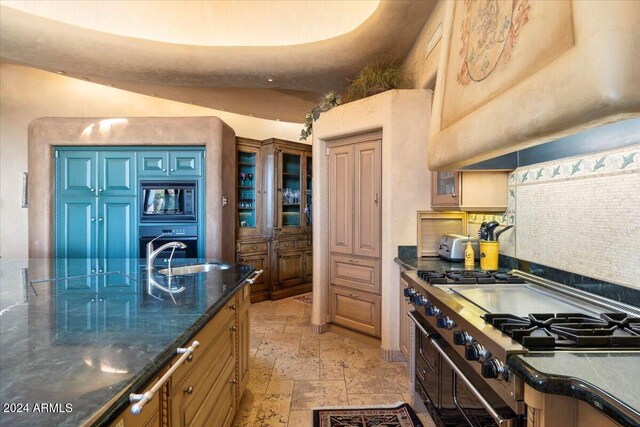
<point x="577" y="388"/>
<point x="116" y="405"/>
<point x="403" y="264"/>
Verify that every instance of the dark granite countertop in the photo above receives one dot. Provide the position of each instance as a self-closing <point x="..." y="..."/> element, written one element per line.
<point x="86" y="342"/>
<point x="606" y="380"/>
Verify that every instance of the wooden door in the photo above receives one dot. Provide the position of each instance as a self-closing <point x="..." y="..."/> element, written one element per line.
<point x="290" y="192"/>
<point x="185" y="163"/>
<point x="116" y="174"/>
<point x="341" y="199"/>
<point x="308" y="193"/>
<point x="289" y="265"/>
<point x="76" y="227"/>
<point x="76" y="173"/>
<point x="445" y="189"/>
<point x="153" y="164"/>
<point x="367" y="191"/>
<point x="116" y="227"/>
<point x="357" y="310"/>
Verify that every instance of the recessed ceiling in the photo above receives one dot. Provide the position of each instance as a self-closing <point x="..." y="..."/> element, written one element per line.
<point x="210" y="23"/>
<point x="268" y="79"/>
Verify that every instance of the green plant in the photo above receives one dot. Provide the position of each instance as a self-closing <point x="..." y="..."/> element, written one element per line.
<point x="327" y="102"/>
<point x="376" y="78"/>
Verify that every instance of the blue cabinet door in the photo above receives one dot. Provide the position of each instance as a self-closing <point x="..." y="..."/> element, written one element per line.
<point x="116" y="227"/>
<point x="76" y="227"/>
<point x="185" y="163"/>
<point x="76" y="173"/>
<point x="153" y="164"/>
<point x="116" y="173"/>
<point x="75" y="275"/>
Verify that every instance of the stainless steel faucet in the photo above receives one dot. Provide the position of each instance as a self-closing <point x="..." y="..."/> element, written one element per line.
<point x="153" y="253"/>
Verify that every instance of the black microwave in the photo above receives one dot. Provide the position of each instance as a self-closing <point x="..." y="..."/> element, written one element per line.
<point x="168" y="201"/>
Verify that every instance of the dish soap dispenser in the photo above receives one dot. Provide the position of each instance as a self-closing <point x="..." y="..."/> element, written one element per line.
<point x="469" y="256"/>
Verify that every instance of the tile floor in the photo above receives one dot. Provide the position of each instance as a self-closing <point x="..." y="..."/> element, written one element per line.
<point x="293" y="371"/>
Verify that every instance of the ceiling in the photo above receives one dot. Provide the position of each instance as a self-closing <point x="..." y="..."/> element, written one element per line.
<point x="269" y="59"/>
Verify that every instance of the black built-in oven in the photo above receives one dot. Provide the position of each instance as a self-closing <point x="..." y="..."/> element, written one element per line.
<point x="454" y="394"/>
<point x="168" y="201"/>
<point x="184" y="233"/>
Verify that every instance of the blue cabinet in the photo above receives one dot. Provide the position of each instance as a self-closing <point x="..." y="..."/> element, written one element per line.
<point x="95" y="204"/>
<point x="175" y="163"/>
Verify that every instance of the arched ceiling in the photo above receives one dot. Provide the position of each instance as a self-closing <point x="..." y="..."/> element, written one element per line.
<point x="279" y="77"/>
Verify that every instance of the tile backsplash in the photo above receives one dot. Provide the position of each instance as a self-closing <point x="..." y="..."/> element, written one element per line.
<point x="578" y="214"/>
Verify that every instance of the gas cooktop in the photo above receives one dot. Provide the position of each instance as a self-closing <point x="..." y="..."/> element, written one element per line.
<point x="468" y="277"/>
<point x="560" y="330"/>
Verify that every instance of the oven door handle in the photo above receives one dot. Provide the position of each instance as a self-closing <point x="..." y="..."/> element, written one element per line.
<point x="418" y="325"/>
<point x="501" y="421"/>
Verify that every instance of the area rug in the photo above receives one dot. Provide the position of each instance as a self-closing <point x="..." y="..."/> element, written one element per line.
<point x="399" y="416"/>
<point x="306" y="298"/>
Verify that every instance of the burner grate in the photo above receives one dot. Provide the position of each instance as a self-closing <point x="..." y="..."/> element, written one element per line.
<point x="468" y="277"/>
<point x="569" y="329"/>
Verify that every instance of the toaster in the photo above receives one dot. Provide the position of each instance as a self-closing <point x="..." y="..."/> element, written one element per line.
<point x="452" y="247"/>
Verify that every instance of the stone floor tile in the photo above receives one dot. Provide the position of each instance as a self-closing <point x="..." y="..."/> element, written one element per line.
<point x="280" y="387"/>
<point x="263" y="410"/>
<point x="313" y="394"/>
<point x="296" y="369"/>
<point x="301" y="419"/>
<point x="375" y="399"/>
<point x="370" y="381"/>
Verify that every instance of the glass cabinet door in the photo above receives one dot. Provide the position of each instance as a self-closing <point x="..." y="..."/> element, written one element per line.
<point x="445" y="188"/>
<point x="309" y="192"/>
<point x="291" y="193"/>
<point x="247" y="199"/>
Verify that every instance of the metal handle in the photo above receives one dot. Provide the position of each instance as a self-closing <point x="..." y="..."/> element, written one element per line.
<point x="164" y="170"/>
<point x="354" y="261"/>
<point x="234" y="381"/>
<point x="234" y="328"/>
<point x="144" y="398"/>
<point x="189" y="390"/>
<point x="254" y="247"/>
<point x="100" y="190"/>
<point x="93" y="190"/>
<point x="93" y="220"/>
<point x="100" y="219"/>
<point x="234" y="307"/>
<point x="501" y="421"/>
<point x="376" y="199"/>
<point x="454" y="195"/>
<point x="173" y="170"/>
<point x="354" y="295"/>
<point x="251" y="280"/>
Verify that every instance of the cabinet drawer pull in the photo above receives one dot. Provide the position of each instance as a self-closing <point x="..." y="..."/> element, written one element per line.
<point x="254" y="247"/>
<point x="233" y="328"/>
<point x="93" y="190"/>
<point x="454" y="195"/>
<point x="354" y="295"/>
<point x="251" y="280"/>
<point x="354" y="261"/>
<point x="190" y="358"/>
<point x="233" y="381"/>
<point x="144" y="398"/>
<point x="234" y="307"/>
<point x="189" y="390"/>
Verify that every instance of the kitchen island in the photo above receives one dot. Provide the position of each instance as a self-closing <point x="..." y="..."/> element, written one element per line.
<point x="77" y="336"/>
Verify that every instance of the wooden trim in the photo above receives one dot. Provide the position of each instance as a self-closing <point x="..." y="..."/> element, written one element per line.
<point x="353" y="139"/>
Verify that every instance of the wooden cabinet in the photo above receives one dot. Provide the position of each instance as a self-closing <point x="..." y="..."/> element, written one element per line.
<point x="355" y="309"/>
<point x="204" y="390"/>
<point x="355" y="184"/>
<point x="550" y="410"/>
<point x="175" y="163"/>
<point x="405" y="323"/>
<point x="469" y="191"/>
<point x="274" y="215"/>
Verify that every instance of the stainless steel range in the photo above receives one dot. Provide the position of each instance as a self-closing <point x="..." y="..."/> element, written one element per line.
<point x="468" y="323"/>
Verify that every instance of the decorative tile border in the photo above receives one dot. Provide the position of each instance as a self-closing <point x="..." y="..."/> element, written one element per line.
<point x="620" y="161"/>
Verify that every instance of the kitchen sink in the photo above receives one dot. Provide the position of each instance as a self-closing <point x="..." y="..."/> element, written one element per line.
<point x="195" y="268"/>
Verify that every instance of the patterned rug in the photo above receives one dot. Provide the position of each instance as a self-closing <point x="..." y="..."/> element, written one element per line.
<point x="400" y="416"/>
<point x="306" y="298"/>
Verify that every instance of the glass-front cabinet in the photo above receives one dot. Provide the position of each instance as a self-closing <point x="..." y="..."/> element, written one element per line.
<point x="309" y="192"/>
<point x="248" y="201"/>
<point x="445" y="189"/>
<point x="292" y="196"/>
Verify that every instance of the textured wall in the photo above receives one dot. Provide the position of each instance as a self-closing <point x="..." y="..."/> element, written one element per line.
<point x="581" y="214"/>
<point x="27" y="93"/>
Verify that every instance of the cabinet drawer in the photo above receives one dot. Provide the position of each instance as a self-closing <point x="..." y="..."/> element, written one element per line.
<point x="149" y="414"/>
<point x="207" y="336"/>
<point x="287" y="244"/>
<point x="251" y="247"/>
<point x="209" y="377"/>
<point x="303" y="244"/>
<point x="355" y="309"/>
<point x="219" y="405"/>
<point x="356" y="273"/>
